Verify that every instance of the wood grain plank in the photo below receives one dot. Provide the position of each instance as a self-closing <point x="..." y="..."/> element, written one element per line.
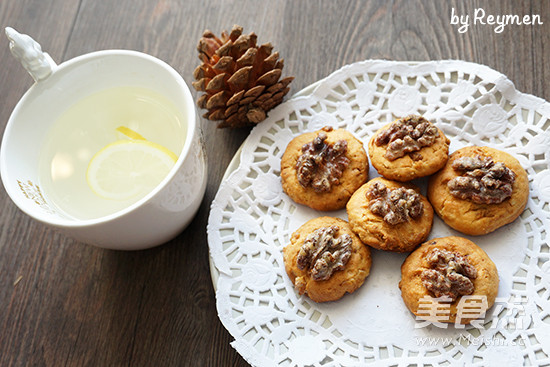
<point x="32" y="17"/>
<point x="25" y="244"/>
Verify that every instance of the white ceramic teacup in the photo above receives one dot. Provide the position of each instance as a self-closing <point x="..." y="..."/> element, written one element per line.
<point x="152" y="220"/>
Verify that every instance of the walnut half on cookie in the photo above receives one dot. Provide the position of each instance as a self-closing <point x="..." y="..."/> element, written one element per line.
<point x="408" y="148"/>
<point x="389" y="215"/>
<point x="326" y="260"/>
<point x="322" y="169"/>
<point x="479" y="190"/>
<point x="446" y="270"/>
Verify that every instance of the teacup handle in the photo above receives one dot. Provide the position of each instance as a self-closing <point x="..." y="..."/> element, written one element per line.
<point x="29" y="53"/>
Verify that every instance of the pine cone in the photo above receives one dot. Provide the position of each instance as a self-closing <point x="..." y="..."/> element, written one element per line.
<point x="240" y="79"/>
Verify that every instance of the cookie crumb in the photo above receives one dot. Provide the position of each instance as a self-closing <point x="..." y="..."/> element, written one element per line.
<point x="17" y="280"/>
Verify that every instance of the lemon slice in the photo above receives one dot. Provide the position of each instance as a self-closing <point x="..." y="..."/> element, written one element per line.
<point x="128" y="168"/>
<point x="132" y="134"/>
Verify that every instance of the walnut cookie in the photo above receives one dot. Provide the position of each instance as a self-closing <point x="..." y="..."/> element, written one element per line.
<point x="390" y="215"/>
<point x="326" y="273"/>
<point x="450" y="267"/>
<point x="322" y="169"/>
<point x="408" y="148"/>
<point x="479" y="190"/>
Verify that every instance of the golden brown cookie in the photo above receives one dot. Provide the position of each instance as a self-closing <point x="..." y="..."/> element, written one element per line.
<point x="451" y="268"/>
<point x="404" y="158"/>
<point x="386" y="222"/>
<point x="324" y="173"/>
<point x="311" y="275"/>
<point x="477" y="212"/>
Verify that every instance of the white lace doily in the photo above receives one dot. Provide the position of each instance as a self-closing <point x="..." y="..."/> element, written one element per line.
<point x="251" y="220"/>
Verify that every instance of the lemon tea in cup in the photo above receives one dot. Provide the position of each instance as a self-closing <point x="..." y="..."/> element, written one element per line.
<point x="105" y="147"/>
<point x="110" y="149"/>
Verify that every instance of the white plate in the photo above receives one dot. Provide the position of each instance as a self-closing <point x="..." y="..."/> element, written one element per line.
<point x="251" y="220"/>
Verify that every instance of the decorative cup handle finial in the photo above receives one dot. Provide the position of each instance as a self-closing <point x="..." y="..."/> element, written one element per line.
<point x="29" y="53"/>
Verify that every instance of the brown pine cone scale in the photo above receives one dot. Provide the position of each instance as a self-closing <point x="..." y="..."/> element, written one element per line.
<point x="240" y="80"/>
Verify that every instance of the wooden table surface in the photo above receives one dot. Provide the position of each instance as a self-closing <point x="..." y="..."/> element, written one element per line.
<point x="63" y="303"/>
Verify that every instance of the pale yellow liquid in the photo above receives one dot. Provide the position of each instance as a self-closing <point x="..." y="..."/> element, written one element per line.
<point x="88" y="126"/>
